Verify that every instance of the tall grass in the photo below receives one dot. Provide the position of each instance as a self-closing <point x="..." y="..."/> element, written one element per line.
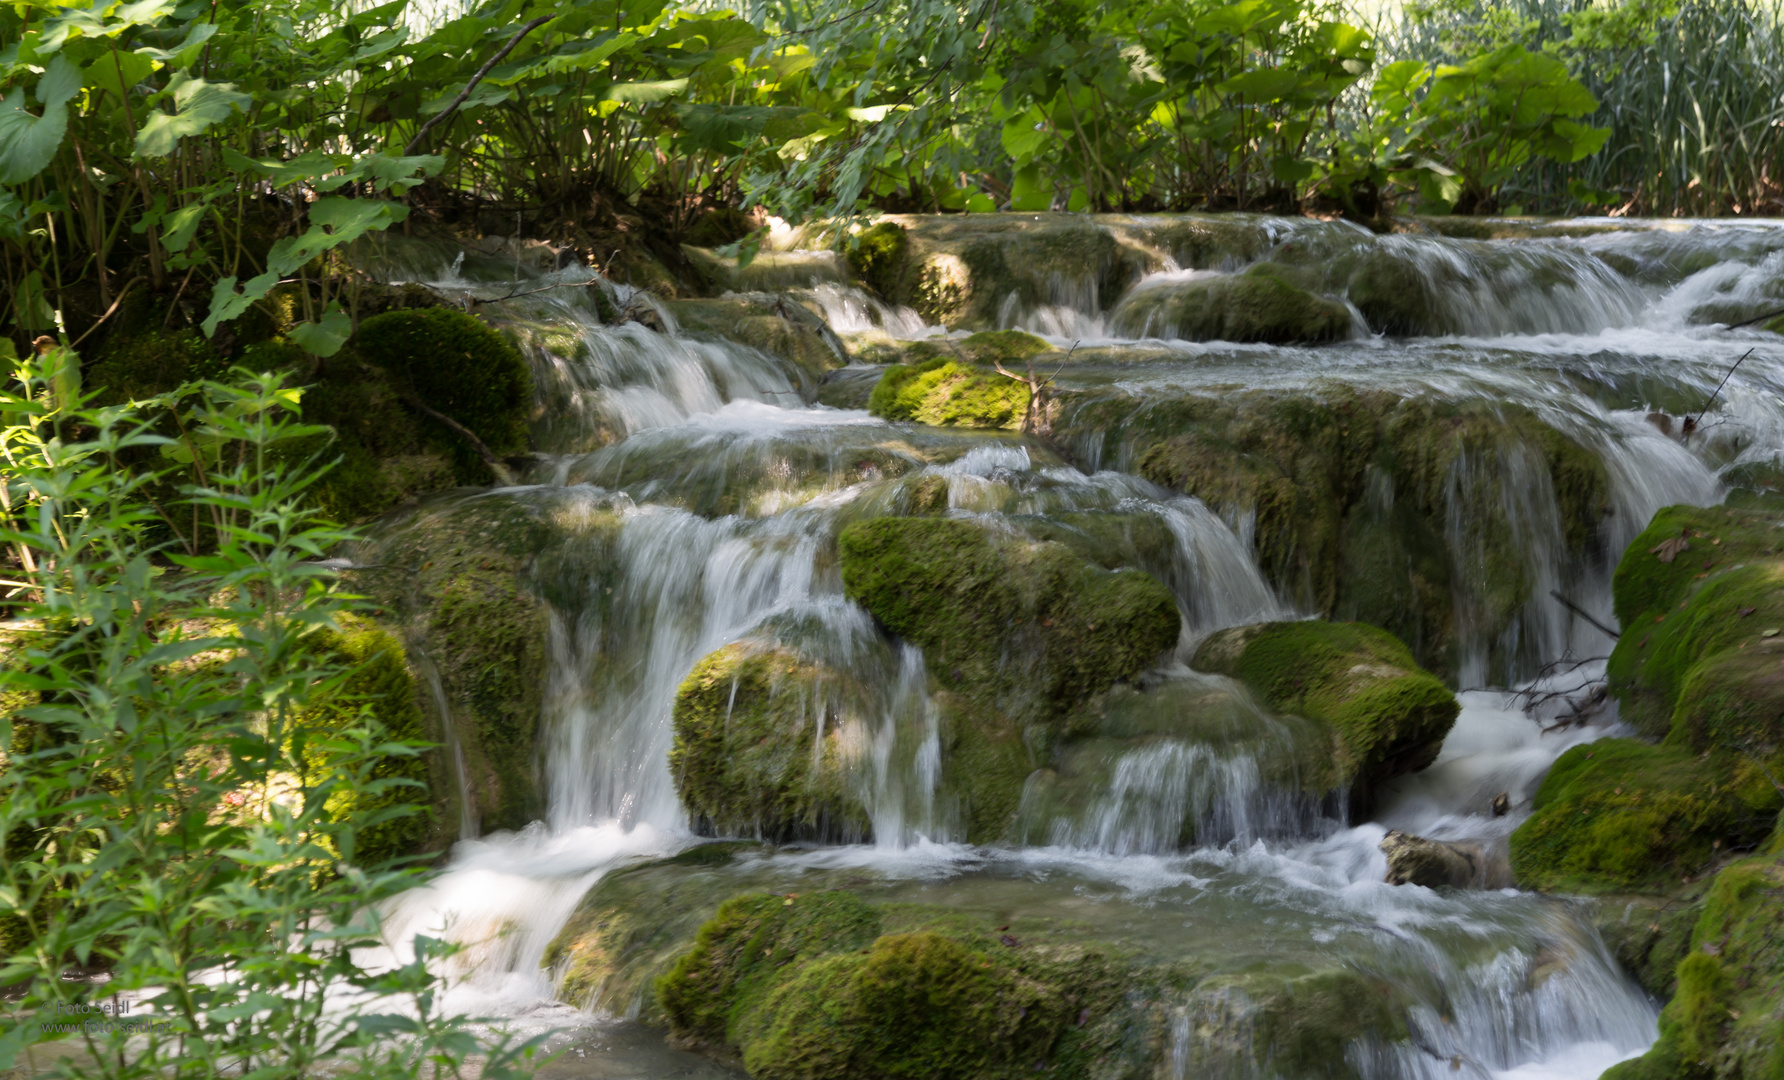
<point x="1696" y="114"/>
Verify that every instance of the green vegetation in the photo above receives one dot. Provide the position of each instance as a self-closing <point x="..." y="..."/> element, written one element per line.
<point x="949" y="394"/>
<point x="218" y="732"/>
<point x="1386" y="715"/>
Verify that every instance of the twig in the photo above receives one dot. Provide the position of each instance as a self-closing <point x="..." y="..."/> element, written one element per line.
<point x="1754" y="319"/>
<point x="529" y="292"/>
<point x="108" y="311"/>
<point x="1581" y="612"/>
<point x="503" y="475"/>
<point x="501" y="54"/>
<point x="1690" y="424"/>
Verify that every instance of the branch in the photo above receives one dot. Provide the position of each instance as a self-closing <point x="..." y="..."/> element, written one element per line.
<point x="503" y="475"/>
<point x="1581" y="612"/>
<point x="501" y="54"/>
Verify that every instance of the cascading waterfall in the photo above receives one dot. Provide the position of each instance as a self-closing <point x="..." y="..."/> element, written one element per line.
<point x="730" y="488"/>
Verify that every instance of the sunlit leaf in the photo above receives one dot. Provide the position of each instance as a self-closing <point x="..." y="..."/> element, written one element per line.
<point x="198" y="105"/>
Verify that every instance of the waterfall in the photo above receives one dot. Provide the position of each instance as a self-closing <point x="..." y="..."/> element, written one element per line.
<point x="695" y="492"/>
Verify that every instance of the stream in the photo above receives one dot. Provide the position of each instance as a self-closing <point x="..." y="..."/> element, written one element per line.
<point x="730" y="483"/>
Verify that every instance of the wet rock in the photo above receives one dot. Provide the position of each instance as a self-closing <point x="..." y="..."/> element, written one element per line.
<point x="1031" y="626"/>
<point x="1386" y="715"/>
<point x="1303" y="1024"/>
<point x="1501" y="804"/>
<point x="773" y="323"/>
<point x="1414" y="860"/>
<point x="761" y="750"/>
<point x="1359" y="499"/>
<point x="947" y="393"/>
<point x="1258" y="305"/>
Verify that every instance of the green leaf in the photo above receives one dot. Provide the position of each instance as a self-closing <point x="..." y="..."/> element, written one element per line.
<point x="639" y="93"/>
<point x="28" y="143"/>
<point x="31" y="307"/>
<point x="198" y="105"/>
<point x="180" y="226"/>
<point x="103" y="73"/>
<point x="182" y="55"/>
<point x="325" y="336"/>
<point x="227" y="303"/>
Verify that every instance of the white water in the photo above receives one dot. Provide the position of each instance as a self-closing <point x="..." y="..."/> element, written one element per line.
<point x="731" y="491"/>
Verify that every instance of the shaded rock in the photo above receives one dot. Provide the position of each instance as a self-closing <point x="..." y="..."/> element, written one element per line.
<point x="1259" y="305"/>
<point x="1414" y="860"/>
<point x="773" y="323"/>
<point x="1386" y="715"/>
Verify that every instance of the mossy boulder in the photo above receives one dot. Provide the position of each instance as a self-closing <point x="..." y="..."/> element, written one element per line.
<point x="1726" y="1016"/>
<point x="759" y="750"/>
<point x="1351" y="494"/>
<point x="827" y="985"/>
<point x="1700" y="594"/>
<point x="1302" y="1022"/>
<point x="1387" y="715"/>
<point x="471" y="585"/>
<point x="947" y="393"/>
<point x="458" y="367"/>
<point x="877" y="257"/>
<point x="1031" y="628"/>
<point x="1621" y="814"/>
<point x="1259" y="305"/>
<point x="770" y="322"/>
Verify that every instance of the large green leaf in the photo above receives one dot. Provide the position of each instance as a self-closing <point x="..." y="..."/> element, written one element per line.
<point x="28" y="143"/>
<point x="198" y="105"/>
<point x="638" y="93"/>
<point x="325" y="336"/>
<point x="100" y="20"/>
<point x="116" y="72"/>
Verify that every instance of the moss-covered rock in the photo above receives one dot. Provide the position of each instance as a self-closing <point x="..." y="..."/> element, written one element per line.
<point x="826" y="985"/>
<point x="1726" y="1016"/>
<point x="1621" y="814"/>
<point x="1386" y="714"/>
<point x="758" y="748"/>
<point x="1351" y="495"/>
<point x="770" y="322"/>
<point x="461" y="368"/>
<point x="1030" y="628"/>
<point x="470" y="585"/>
<point x="947" y="393"/>
<point x="878" y="255"/>
<point x="1260" y="305"/>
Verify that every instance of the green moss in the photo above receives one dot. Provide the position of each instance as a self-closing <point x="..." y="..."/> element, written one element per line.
<point x="382" y="687"/>
<point x="1302" y="1023"/>
<point x="744" y="761"/>
<point x="878" y="256"/>
<point x="132" y="367"/>
<point x="1623" y="814"/>
<point x="950" y="394"/>
<point x="1696" y="617"/>
<point x="1029" y="627"/>
<point x="1387" y="715"/>
<point x="461" y="368"/>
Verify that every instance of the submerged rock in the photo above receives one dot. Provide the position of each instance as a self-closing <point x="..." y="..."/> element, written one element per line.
<point x="1258" y="305"/>
<point x="1414" y="860"/>
<point x="1386" y="715"/>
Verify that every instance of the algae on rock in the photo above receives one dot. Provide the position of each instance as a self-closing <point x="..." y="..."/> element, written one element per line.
<point x="1258" y="305"/>
<point x="1387" y="716"/>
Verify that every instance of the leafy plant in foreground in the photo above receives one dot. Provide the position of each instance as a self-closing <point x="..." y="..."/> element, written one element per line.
<point x="171" y="827"/>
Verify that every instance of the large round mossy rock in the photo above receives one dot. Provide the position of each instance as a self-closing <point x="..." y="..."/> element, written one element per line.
<point x="1387" y="715"/>
<point x="826" y="985"/>
<point x="1258" y="305"/>
<point x="948" y="393"/>
<point x="1029" y="627"/>
<point x="457" y="366"/>
<point x="1625" y="814"/>
<point x="757" y="750"/>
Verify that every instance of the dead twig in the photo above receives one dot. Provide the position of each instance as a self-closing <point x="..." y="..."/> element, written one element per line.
<point x="1581" y="612"/>
<point x="501" y="54"/>
<point x="1690" y="423"/>
<point x="1035" y="421"/>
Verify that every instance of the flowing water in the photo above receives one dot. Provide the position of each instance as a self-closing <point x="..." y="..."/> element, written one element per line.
<point x="730" y="485"/>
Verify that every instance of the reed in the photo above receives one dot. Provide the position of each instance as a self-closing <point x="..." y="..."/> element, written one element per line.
<point x="1695" y="103"/>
